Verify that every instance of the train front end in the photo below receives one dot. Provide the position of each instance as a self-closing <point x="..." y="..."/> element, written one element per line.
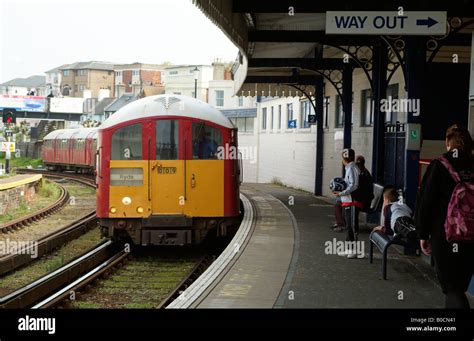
<point x="168" y="172"/>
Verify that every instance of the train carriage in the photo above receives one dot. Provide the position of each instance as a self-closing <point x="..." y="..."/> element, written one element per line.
<point x="70" y="149"/>
<point x="168" y="172"/>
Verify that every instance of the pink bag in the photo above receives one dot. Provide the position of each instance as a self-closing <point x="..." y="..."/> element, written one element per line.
<point x="459" y="224"/>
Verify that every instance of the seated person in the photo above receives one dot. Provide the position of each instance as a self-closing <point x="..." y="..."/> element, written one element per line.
<point x="203" y="148"/>
<point x="396" y="216"/>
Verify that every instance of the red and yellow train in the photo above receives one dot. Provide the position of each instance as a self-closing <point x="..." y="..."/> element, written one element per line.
<point x="167" y="171"/>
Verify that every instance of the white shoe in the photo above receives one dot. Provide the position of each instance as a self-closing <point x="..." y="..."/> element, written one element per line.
<point x="352" y="255"/>
<point x="361" y="256"/>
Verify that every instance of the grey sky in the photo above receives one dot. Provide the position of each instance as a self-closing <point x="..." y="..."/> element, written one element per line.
<point x="38" y="35"/>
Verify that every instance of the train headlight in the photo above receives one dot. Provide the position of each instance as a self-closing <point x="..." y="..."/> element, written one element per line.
<point x="140" y="209"/>
<point x="113" y="210"/>
<point x="126" y="200"/>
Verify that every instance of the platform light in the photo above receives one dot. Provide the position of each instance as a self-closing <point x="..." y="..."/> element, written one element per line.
<point x="140" y="209"/>
<point x="113" y="210"/>
<point x="126" y="200"/>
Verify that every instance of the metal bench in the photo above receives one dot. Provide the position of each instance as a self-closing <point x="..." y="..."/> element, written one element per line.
<point x="383" y="242"/>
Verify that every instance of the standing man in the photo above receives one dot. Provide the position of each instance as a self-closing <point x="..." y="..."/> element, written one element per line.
<point x="350" y="206"/>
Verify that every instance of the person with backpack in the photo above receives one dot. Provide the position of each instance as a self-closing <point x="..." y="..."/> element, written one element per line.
<point x="444" y="216"/>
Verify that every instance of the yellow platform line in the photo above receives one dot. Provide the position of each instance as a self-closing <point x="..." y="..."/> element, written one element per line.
<point x="13" y="184"/>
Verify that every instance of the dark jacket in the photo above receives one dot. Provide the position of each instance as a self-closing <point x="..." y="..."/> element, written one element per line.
<point x="454" y="269"/>
<point x="435" y="193"/>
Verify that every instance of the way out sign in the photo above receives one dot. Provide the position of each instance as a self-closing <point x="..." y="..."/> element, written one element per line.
<point x="386" y="23"/>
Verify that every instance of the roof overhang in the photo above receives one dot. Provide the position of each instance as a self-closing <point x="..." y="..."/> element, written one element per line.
<point x="266" y="31"/>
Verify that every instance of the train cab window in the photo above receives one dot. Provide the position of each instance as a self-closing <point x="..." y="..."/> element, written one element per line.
<point x="167" y="140"/>
<point x="127" y="143"/>
<point x="206" y="141"/>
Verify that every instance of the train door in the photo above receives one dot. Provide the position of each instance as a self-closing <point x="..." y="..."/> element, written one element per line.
<point x="204" y="171"/>
<point x="129" y="178"/>
<point x="167" y="167"/>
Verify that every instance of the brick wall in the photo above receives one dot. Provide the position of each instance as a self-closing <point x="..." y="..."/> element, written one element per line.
<point x="11" y="199"/>
<point x="127" y="80"/>
<point x="150" y="77"/>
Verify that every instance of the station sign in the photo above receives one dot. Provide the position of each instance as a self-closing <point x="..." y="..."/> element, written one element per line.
<point x="291" y="124"/>
<point x="7" y="147"/>
<point x="386" y="23"/>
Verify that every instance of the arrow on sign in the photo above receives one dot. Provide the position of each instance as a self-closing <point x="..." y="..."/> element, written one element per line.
<point x="426" y="22"/>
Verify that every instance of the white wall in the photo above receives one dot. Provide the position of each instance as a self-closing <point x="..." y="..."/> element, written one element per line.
<point x="289" y="155"/>
<point x="13" y="90"/>
<point x="230" y="101"/>
<point x="183" y="81"/>
<point x="53" y="79"/>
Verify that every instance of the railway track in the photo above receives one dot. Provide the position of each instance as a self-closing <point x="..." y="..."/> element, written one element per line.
<point x="35" y="292"/>
<point x="84" y="179"/>
<point x="48" y="243"/>
<point x="38" y="215"/>
<point x="68" y="281"/>
<point x="62" y="284"/>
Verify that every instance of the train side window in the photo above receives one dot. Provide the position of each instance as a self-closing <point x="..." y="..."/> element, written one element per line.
<point x="127" y="143"/>
<point x="167" y="140"/>
<point x="206" y="141"/>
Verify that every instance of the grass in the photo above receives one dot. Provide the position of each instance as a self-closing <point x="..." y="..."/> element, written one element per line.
<point x="49" y="262"/>
<point x="22" y="210"/>
<point x="22" y="162"/>
<point x="48" y="189"/>
<point x="54" y="263"/>
<point x="141" y="284"/>
<point x="276" y="181"/>
<point x="47" y="194"/>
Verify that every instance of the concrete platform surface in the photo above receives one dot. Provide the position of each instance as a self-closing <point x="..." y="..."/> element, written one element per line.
<point x="288" y="263"/>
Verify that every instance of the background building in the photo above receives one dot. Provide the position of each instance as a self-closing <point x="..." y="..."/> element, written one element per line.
<point x="53" y="81"/>
<point x="31" y="86"/>
<point x="180" y="80"/>
<point x="137" y="77"/>
<point x="87" y="79"/>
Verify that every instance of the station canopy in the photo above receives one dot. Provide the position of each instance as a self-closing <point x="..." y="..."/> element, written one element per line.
<point x="284" y="43"/>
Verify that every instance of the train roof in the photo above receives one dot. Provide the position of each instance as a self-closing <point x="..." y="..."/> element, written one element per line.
<point x="78" y="133"/>
<point x="167" y="105"/>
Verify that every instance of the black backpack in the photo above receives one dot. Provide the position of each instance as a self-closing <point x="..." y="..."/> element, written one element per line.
<point x="365" y="191"/>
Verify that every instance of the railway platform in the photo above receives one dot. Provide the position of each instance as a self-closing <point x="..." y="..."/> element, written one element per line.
<point x="286" y="263"/>
<point x="18" y="180"/>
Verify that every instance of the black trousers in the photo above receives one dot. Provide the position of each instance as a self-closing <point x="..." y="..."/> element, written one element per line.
<point x="351" y="215"/>
<point x="455" y="268"/>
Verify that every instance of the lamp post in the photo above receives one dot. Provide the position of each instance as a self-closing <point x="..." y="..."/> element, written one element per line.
<point x="196" y="76"/>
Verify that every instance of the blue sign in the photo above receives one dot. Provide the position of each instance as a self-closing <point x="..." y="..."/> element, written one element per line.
<point x="292" y="124"/>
